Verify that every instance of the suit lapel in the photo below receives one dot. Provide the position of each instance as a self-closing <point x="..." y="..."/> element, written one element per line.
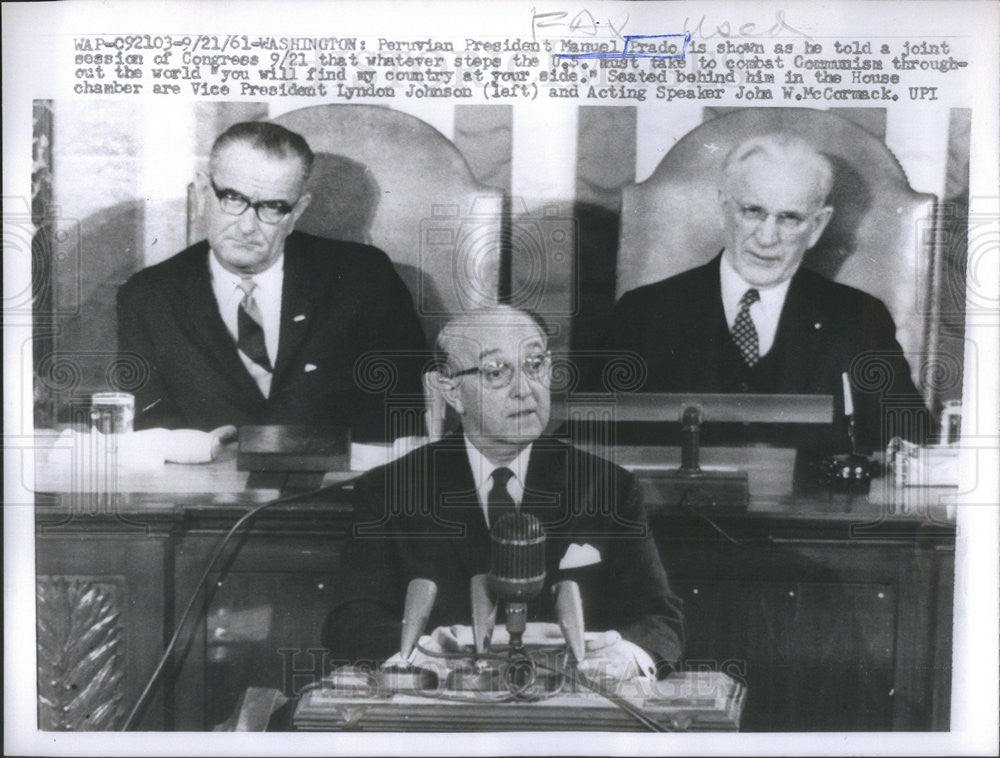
<point x="198" y="316"/>
<point x="546" y="493"/>
<point x="802" y="333"/>
<point x="545" y="483"/>
<point x="300" y="291"/>
<point x="454" y="493"/>
<point x="550" y="469"/>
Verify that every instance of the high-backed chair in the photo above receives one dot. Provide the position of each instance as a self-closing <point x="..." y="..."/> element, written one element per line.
<point x="388" y="179"/>
<point x="876" y="241"/>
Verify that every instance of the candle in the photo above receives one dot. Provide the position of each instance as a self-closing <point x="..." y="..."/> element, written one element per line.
<point x="848" y="400"/>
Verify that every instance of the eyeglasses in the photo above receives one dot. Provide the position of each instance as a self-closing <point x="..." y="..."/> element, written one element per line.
<point x="499" y="374"/>
<point x="787" y="222"/>
<point x="233" y="203"/>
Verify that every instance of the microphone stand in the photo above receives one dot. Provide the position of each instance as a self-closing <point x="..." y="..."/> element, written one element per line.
<point x="516" y="619"/>
<point x="850" y="473"/>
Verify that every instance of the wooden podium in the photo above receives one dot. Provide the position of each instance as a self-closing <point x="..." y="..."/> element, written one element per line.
<point x="834" y="610"/>
<point x="707" y="701"/>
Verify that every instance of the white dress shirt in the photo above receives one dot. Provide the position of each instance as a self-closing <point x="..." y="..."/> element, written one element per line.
<point x="267" y="295"/>
<point x="482" y="475"/>
<point x="626" y="659"/>
<point x="765" y="313"/>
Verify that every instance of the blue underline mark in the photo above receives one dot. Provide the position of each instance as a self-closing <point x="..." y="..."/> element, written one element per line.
<point x="626" y="53"/>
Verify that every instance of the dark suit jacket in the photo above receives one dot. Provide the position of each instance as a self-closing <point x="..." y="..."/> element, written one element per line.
<point x="678" y="327"/>
<point x="340" y="300"/>
<point x="419" y="517"/>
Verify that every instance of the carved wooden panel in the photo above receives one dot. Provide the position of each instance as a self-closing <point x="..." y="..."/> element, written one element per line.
<point x="42" y="212"/>
<point x="80" y="653"/>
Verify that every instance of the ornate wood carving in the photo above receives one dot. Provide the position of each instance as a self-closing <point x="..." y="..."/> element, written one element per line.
<point x="80" y="655"/>
<point x="42" y="256"/>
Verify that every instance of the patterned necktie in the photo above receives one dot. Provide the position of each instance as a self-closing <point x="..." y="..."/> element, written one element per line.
<point x="499" y="501"/>
<point x="250" y="333"/>
<point x="744" y="333"/>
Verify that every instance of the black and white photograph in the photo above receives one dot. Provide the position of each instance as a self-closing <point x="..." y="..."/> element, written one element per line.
<point x="501" y="379"/>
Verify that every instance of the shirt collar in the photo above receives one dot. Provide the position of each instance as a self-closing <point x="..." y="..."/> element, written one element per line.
<point x="482" y="468"/>
<point x="734" y="286"/>
<point x="268" y="281"/>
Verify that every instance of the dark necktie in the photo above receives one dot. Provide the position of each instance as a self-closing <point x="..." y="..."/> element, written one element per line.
<point x="250" y="333"/>
<point x="744" y="333"/>
<point x="499" y="501"/>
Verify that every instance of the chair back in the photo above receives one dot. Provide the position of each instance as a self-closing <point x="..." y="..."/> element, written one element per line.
<point x="388" y="179"/>
<point x="877" y="241"/>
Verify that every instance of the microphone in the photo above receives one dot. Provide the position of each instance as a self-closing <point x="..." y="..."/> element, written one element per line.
<point x="481" y="677"/>
<point x="420" y="596"/>
<point x="517" y="568"/>
<point x="569" y="613"/>
<point x="484" y="612"/>
<point x="690" y="438"/>
<point x="402" y="677"/>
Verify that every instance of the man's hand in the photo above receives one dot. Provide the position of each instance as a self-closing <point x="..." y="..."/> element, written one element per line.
<point x="446" y="638"/>
<point x="608" y="656"/>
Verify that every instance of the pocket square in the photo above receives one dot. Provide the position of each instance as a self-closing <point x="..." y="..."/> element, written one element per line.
<point x="310" y="367"/>
<point x="580" y="555"/>
<point x="300" y="317"/>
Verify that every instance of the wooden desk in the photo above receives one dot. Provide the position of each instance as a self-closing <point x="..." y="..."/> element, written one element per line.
<point x="836" y="613"/>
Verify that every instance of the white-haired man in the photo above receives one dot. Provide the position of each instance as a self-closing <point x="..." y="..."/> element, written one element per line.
<point x="752" y="319"/>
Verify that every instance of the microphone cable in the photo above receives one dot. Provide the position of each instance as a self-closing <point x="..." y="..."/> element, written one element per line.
<point x="577" y="677"/>
<point x="683" y="503"/>
<point x="570" y="673"/>
<point x="140" y="706"/>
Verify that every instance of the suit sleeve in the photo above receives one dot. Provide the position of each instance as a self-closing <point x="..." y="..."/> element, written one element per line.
<point x="136" y="347"/>
<point x="646" y="611"/>
<point x="887" y="402"/>
<point x="364" y="624"/>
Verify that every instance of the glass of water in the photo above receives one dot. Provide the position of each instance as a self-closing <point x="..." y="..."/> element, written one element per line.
<point x="112" y="412"/>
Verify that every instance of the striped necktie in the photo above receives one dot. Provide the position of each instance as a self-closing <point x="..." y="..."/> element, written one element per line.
<point x="250" y="333"/>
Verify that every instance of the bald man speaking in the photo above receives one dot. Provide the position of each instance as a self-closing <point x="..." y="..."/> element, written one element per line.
<point x="428" y="514"/>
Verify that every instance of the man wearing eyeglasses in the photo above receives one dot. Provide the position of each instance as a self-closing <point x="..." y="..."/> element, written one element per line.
<point x="752" y="319"/>
<point x="428" y="514"/>
<point x="259" y="323"/>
